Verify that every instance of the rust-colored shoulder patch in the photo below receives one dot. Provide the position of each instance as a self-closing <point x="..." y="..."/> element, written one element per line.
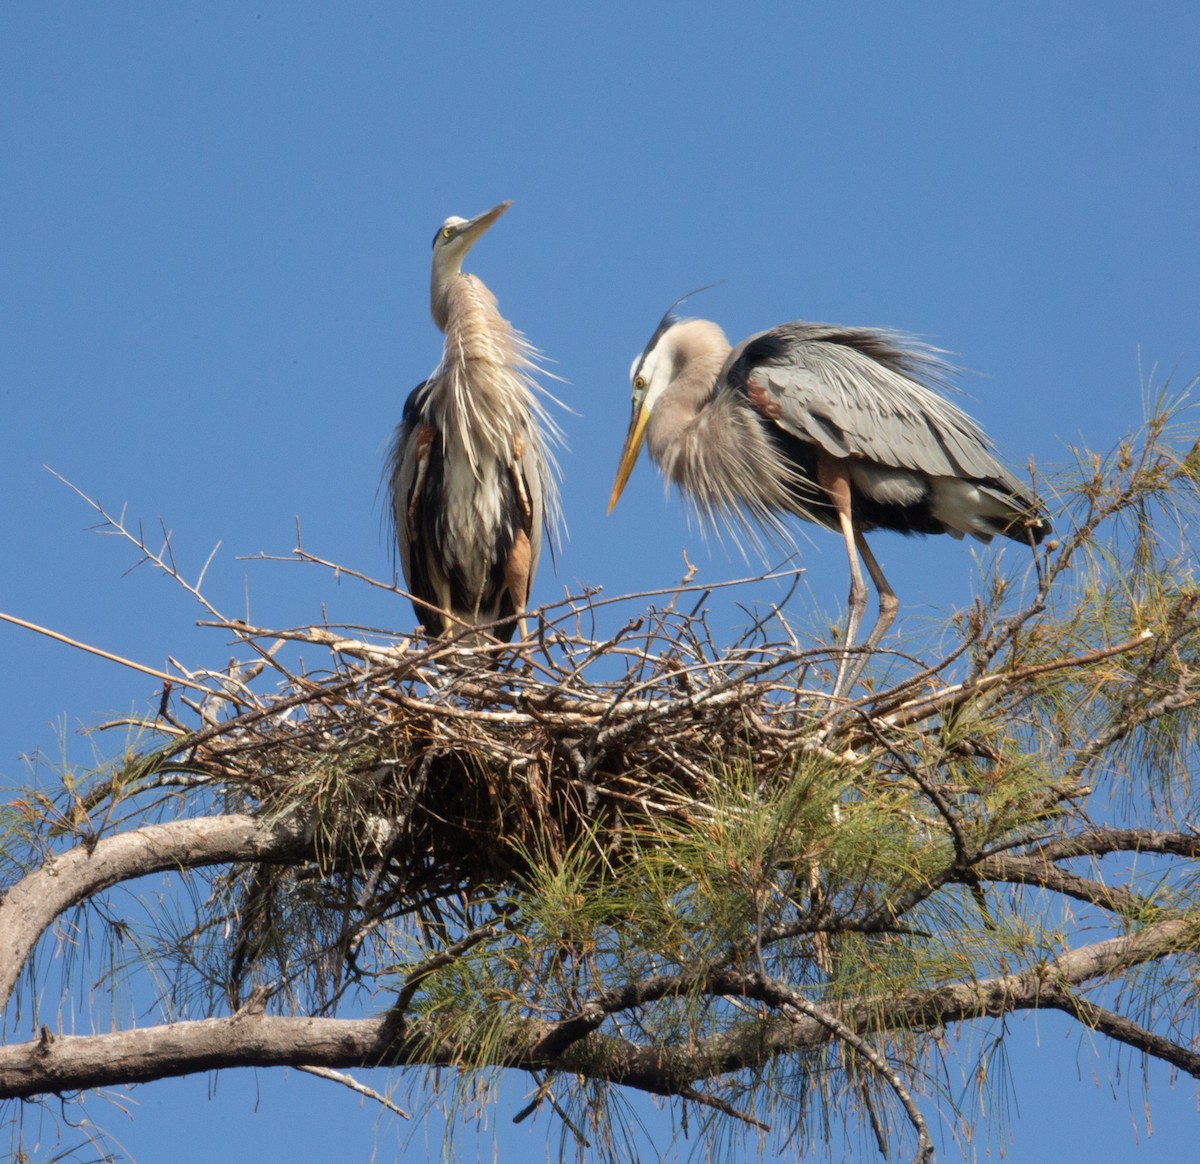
<point x="423" y="438"/>
<point x="764" y="403"/>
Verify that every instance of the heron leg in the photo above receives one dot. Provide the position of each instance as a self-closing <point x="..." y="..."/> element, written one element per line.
<point x="834" y="477"/>
<point x="849" y="669"/>
<point x="518" y="569"/>
<point x="516" y="576"/>
<point x="888" y="602"/>
<point x="888" y="605"/>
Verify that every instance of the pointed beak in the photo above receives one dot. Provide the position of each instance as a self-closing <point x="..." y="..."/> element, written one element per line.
<point x="478" y="225"/>
<point x="629" y="454"/>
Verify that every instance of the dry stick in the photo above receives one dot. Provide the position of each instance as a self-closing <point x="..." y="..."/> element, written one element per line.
<point x="595" y="603"/>
<point x="1049" y="570"/>
<point x="118" y="524"/>
<point x="962" y="851"/>
<point x="723" y="691"/>
<point x="166" y="678"/>
<point x="311" y="693"/>
<point x="167" y="566"/>
<point x="354" y="1085"/>
<point x="1178" y="700"/>
<point x="302" y="555"/>
<point x="723" y="1107"/>
<point x="894" y="696"/>
<point x="544" y="1092"/>
<point x="445" y="957"/>
<point x="952" y="696"/>
<point x="1129" y="722"/>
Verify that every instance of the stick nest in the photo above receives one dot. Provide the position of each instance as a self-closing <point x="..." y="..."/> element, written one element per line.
<point x="469" y="762"/>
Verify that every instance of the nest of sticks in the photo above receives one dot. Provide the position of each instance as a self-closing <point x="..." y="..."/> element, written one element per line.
<point x="482" y="758"/>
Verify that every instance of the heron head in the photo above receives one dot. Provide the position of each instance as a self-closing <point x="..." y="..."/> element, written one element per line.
<point x="649" y="374"/>
<point x="456" y="236"/>
<point x="683" y="355"/>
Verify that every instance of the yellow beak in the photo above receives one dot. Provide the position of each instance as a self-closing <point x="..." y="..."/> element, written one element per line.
<point x="629" y="454"/>
<point x="478" y="225"/>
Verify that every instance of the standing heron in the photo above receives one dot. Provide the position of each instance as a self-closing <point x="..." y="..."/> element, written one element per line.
<point x="836" y="425"/>
<point x="470" y="479"/>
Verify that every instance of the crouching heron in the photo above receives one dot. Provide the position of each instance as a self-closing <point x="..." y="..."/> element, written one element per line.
<point x="470" y="478"/>
<point x="836" y="425"/>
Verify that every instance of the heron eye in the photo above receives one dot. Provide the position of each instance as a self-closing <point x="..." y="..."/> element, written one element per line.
<point x="447" y="232"/>
<point x="640" y="383"/>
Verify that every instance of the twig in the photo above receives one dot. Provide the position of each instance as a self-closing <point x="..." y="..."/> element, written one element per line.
<point x="419" y="973"/>
<point x="41" y="630"/>
<point x="545" y="1094"/>
<point x="354" y="1085"/>
<point x="724" y="1108"/>
<point x="951" y="697"/>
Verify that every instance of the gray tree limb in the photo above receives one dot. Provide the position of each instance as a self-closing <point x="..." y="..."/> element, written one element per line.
<point x="71" y="1063"/>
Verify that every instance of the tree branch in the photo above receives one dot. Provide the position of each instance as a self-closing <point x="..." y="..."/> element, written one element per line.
<point x="1116" y="1026"/>
<point x="65" y="880"/>
<point x="353" y="1084"/>
<point x="73" y="1063"/>
<point x="1017" y="870"/>
<point x="778" y="995"/>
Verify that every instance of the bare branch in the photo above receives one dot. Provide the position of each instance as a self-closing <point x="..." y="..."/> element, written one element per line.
<point x="41" y="630"/>
<point x="1124" y="1030"/>
<point x="65" y="880"/>
<point x="71" y="1063"/>
<point x="353" y="1084"/>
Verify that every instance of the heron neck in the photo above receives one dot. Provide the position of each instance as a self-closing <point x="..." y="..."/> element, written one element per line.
<point x="680" y="408"/>
<point x="467" y="313"/>
<point x="710" y="443"/>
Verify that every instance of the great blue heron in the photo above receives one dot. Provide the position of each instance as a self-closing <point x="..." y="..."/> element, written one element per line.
<point x="470" y="478"/>
<point x="836" y="425"/>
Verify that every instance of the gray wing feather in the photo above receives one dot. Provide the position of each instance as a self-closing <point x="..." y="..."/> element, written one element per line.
<point x="403" y="463"/>
<point x="864" y="393"/>
<point x="402" y="475"/>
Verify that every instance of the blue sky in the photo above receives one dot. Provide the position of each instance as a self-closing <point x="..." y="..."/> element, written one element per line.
<point x="214" y="280"/>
